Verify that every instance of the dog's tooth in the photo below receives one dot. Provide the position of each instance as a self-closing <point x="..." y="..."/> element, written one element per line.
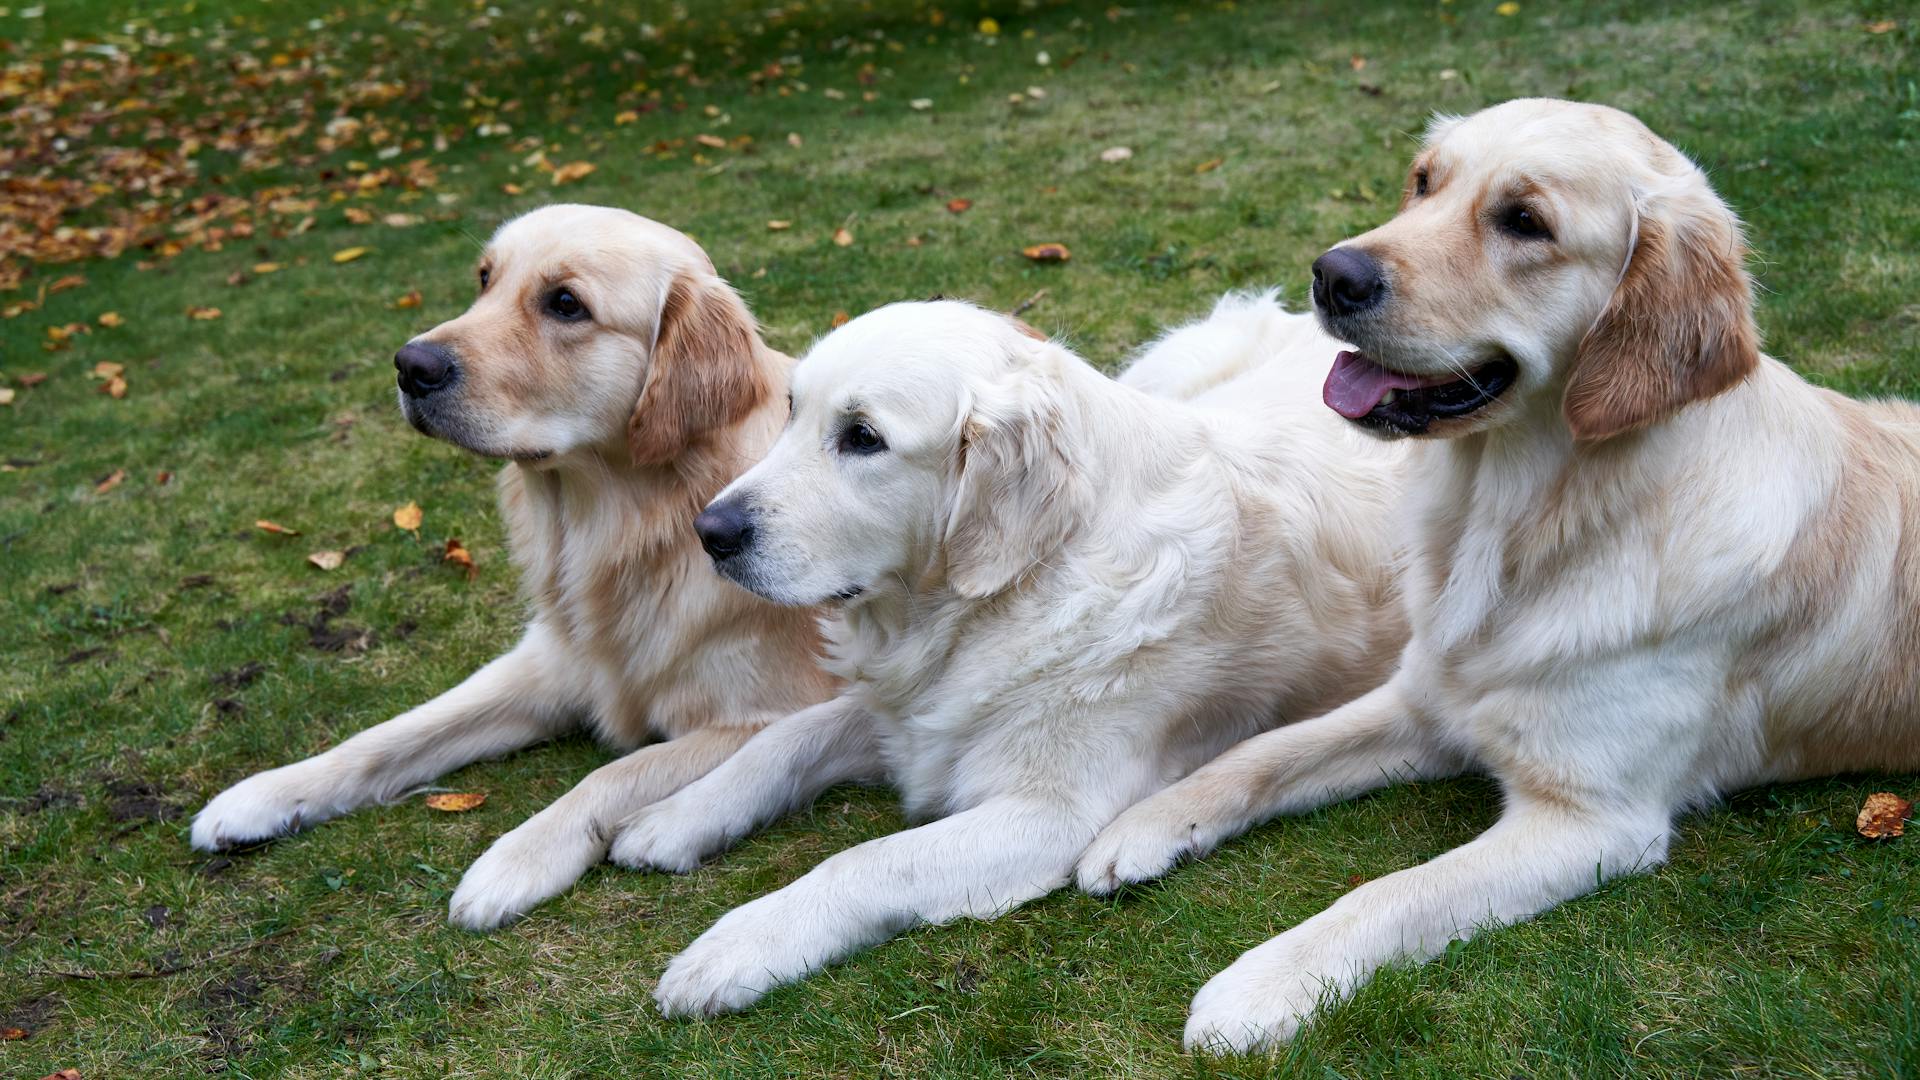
<point x="1387" y="398"/>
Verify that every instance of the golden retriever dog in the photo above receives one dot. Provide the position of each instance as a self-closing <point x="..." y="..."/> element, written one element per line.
<point x="1651" y="565"/>
<point x="627" y="384"/>
<point x="1058" y="592"/>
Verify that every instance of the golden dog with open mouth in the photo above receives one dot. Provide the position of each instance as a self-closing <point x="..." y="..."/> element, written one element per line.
<point x="628" y="384"/>
<point x="1651" y="564"/>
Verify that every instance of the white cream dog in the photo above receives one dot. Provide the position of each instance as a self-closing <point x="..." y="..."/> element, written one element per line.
<point x="1059" y="594"/>
<point x="1652" y="565"/>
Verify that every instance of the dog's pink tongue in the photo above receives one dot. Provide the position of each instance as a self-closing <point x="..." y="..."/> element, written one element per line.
<point x="1355" y="384"/>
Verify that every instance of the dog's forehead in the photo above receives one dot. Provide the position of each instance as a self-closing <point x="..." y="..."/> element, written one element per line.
<point x="591" y="236"/>
<point x="906" y="355"/>
<point x="1541" y="139"/>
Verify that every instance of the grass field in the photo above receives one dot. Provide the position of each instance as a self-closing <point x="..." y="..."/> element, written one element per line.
<point x="160" y="646"/>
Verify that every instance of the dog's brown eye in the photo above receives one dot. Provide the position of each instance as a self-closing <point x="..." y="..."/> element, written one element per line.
<point x="860" y="438"/>
<point x="564" y="305"/>
<point x="486" y="275"/>
<point x="1420" y="182"/>
<point x="1524" y="223"/>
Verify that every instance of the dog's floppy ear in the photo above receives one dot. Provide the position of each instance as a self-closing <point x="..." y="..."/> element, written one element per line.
<point x="702" y="374"/>
<point x="1679" y="327"/>
<point x="1019" y="495"/>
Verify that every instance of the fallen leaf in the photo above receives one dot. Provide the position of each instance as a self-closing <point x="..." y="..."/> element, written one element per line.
<point x="201" y="313"/>
<point x="63" y="1074"/>
<point x="513" y="189"/>
<point x="794" y="140"/>
<point x="840" y="318"/>
<point x="162" y="478"/>
<point x="115" y="387"/>
<point x="1047" y="253"/>
<point x="107" y="369"/>
<point x="920" y="104"/>
<point x="1508" y="8"/>
<point x="1114" y="155"/>
<point x="571" y="171"/>
<point x="408" y="517"/>
<point x="358" y="215"/>
<point x="266" y="268"/>
<point x="327" y="560"/>
<point x="843" y="237"/>
<point x="458" y="555"/>
<point x="713" y="141"/>
<point x="401" y="221"/>
<point x="990" y="26"/>
<point x="6" y="395"/>
<point x="239" y="277"/>
<point x="1208" y="165"/>
<point x="347" y="255"/>
<point x="32" y="378"/>
<point x="779" y="226"/>
<point x="1883" y="816"/>
<point x="60" y="285"/>
<point x="625" y="117"/>
<point x="1882" y="27"/>
<point x="1357" y="62"/>
<point x="275" y="528"/>
<point x="12" y="1034"/>
<point x="110" y="320"/>
<point x="959" y="206"/>
<point x="110" y="481"/>
<point x="411" y="299"/>
<point x="456" y="802"/>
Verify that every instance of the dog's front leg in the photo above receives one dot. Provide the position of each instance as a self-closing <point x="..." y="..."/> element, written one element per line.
<point x="514" y="701"/>
<point x="1536" y="856"/>
<point x="1370" y="742"/>
<point x="550" y="850"/>
<point x="781" y="769"/>
<point x="978" y="863"/>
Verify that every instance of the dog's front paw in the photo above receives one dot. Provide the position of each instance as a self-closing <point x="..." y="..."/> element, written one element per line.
<point x="731" y="966"/>
<point x="535" y="862"/>
<point x="1140" y="845"/>
<point x="261" y="807"/>
<point x="1258" y="1002"/>
<point x="667" y="836"/>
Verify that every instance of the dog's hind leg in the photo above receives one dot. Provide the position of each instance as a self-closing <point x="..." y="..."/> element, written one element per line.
<point x="550" y="850"/>
<point x="1365" y="744"/>
<point x="514" y="701"/>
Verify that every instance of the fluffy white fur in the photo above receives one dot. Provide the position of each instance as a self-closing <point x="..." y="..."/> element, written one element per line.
<point x="1060" y="594"/>
<point x="621" y="425"/>
<point x="1659" y="567"/>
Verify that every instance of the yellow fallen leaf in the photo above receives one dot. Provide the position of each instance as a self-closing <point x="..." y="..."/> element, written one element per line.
<point x="408" y="517"/>
<point x="458" y="555"/>
<point x="6" y="395"/>
<point x="625" y="117"/>
<point x="713" y="141"/>
<point x="327" y="560"/>
<point x="275" y="528"/>
<point x="990" y="26"/>
<point x="571" y="171"/>
<point x="1508" y="8"/>
<point x="411" y="299"/>
<point x="1208" y="165"/>
<point x="1047" y="253"/>
<point x="115" y="387"/>
<point x="1882" y="27"/>
<point x="266" y="268"/>
<point x="358" y="215"/>
<point x="347" y="255"/>
<point x="513" y="189"/>
<point x="110" y="481"/>
<point x="843" y="237"/>
<point x="777" y="225"/>
<point x="60" y="285"/>
<point x="201" y="313"/>
<point x="107" y="369"/>
<point x="456" y="802"/>
<point x="110" y="320"/>
<point x="1883" y="816"/>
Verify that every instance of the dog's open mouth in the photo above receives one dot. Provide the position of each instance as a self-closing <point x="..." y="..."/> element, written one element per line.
<point x="1364" y="392"/>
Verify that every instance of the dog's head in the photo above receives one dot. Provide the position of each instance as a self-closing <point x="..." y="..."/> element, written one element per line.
<point x="1542" y="247"/>
<point x="595" y="330"/>
<point x="925" y="449"/>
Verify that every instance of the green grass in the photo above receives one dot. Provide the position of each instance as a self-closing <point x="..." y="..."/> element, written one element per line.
<point x="1774" y="942"/>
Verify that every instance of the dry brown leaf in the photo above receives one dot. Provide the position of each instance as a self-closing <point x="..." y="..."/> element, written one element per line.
<point x="110" y="320"/>
<point x="1883" y="816"/>
<point x="347" y="255"/>
<point x="1208" y="165"/>
<point x="571" y="171"/>
<point x="408" y="517"/>
<point x="843" y="237"/>
<point x="358" y="215"/>
<point x="107" y="369"/>
<point x="327" y="560"/>
<point x="162" y="478"/>
<point x="455" y="802"/>
<point x="12" y="1034"/>
<point x="60" y="285"/>
<point x="714" y="141"/>
<point x="201" y="313"/>
<point x="401" y="221"/>
<point x="63" y="1074"/>
<point x="1882" y="27"/>
<point x="110" y="481"/>
<point x="275" y="528"/>
<point x="959" y="206"/>
<point x="115" y="387"/>
<point x="513" y="189"/>
<point x="458" y="555"/>
<point x="239" y="277"/>
<point x="411" y="299"/>
<point x="32" y="379"/>
<point x="625" y="117"/>
<point x="777" y="225"/>
<point x="840" y="318"/>
<point x="1047" y="253"/>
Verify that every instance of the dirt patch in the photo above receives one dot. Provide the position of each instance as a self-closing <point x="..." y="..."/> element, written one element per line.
<point x="80" y="656"/>
<point x="323" y="633"/>
<point x="139" y="800"/>
<point x="244" y="675"/>
<point x="47" y="796"/>
<point x="31" y="1015"/>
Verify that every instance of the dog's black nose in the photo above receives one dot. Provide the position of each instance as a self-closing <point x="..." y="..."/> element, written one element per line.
<point x="424" y="367"/>
<point x="725" y="528"/>
<point x="1347" y="281"/>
